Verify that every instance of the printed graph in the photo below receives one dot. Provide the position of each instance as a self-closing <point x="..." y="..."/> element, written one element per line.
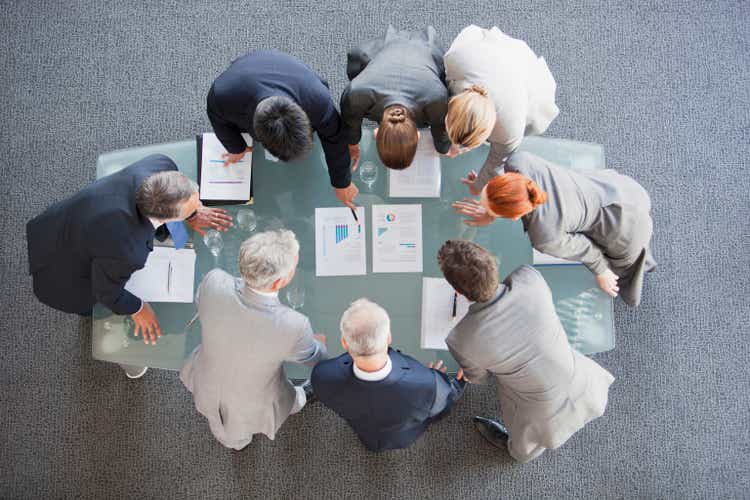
<point x="342" y="232"/>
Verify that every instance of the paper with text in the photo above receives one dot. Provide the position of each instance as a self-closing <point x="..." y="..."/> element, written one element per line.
<point x="397" y="238"/>
<point x="167" y="276"/>
<point x="437" y="312"/>
<point x="340" y="242"/>
<point x="220" y="182"/>
<point x="422" y="178"/>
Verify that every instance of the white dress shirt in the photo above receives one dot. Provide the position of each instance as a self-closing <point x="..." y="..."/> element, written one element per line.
<point x="376" y="375"/>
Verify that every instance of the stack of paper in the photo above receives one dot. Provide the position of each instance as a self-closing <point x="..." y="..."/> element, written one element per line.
<point x="168" y="276"/>
<point x="422" y="178"/>
<point x="340" y="242"/>
<point x="438" y="318"/>
<point x="397" y="238"/>
<point x="224" y="182"/>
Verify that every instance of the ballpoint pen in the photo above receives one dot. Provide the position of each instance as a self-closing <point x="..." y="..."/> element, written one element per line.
<point x="455" y="299"/>
<point x="169" y="278"/>
<point x="354" y="213"/>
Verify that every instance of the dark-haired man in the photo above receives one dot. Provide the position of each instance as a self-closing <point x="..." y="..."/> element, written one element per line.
<point x="279" y="101"/>
<point x="547" y="389"/>
<point x="82" y="250"/>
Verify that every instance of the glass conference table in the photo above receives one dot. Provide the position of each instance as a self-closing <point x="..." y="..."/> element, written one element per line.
<point x="286" y="195"/>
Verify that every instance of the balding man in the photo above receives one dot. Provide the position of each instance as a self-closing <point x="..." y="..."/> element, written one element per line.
<point x="388" y="398"/>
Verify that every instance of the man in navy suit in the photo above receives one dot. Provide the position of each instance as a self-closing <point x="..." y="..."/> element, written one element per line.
<point x="82" y="250"/>
<point x="388" y="398"/>
<point x="279" y="101"/>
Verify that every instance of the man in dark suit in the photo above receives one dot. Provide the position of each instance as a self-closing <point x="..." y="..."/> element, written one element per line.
<point x="388" y="398"/>
<point x="279" y="101"/>
<point x="82" y="250"/>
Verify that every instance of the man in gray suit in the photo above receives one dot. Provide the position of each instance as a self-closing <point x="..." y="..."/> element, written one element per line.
<point x="236" y="373"/>
<point x="547" y="389"/>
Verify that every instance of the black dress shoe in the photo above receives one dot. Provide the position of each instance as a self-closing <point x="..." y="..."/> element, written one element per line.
<point x="492" y="430"/>
<point x="309" y="394"/>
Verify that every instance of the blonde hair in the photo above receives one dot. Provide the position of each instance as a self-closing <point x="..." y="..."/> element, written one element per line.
<point x="471" y="117"/>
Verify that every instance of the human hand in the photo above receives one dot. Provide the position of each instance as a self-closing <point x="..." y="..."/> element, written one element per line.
<point x="346" y="195"/>
<point x="438" y="365"/>
<point x="354" y="154"/>
<point x="469" y="181"/>
<point x="230" y="158"/>
<point x="462" y="376"/>
<point x="146" y="323"/>
<point x="478" y="216"/>
<point x="607" y="281"/>
<point x="320" y="338"/>
<point x="214" y="218"/>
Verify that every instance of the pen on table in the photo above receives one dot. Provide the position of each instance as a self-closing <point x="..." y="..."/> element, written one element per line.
<point x="354" y="213"/>
<point x="169" y="278"/>
<point x="455" y="299"/>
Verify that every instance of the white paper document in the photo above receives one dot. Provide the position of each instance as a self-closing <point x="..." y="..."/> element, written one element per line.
<point x="397" y="238"/>
<point x="340" y="242"/>
<point x="438" y="316"/>
<point x="422" y="178"/>
<point x="168" y="276"/>
<point x="542" y="259"/>
<point x="219" y="182"/>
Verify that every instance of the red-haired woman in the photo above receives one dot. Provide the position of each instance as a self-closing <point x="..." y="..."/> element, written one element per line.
<point x="598" y="217"/>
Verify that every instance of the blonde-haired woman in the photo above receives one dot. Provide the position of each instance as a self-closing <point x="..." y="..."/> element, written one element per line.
<point x="501" y="91"/>
<point x="397" y="81"/>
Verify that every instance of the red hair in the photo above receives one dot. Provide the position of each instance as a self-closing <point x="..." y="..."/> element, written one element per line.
<point x="513" y="195"/>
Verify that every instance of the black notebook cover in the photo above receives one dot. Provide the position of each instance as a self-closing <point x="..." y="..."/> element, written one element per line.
<point x="213" y="203"/>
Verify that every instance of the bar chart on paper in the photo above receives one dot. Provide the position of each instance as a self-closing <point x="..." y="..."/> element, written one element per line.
<point x="339" y="242"/>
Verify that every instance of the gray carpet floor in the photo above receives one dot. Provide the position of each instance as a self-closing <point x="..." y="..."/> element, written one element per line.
<point x="663" y="85"/>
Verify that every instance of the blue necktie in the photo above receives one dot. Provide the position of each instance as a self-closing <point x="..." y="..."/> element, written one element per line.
<point x="178" y="233"/>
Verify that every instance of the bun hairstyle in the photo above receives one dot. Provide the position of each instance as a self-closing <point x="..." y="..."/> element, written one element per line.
<point x="397" y="137"/>
<point x="471" y="116"/>
<point x="513" y="195"/>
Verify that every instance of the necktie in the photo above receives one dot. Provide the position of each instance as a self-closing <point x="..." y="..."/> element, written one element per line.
<point x="178" y="232"/>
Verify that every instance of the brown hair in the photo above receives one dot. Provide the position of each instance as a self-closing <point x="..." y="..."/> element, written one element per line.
<point x="471" y="117"/>
<point x="161" y="194"/>
<point x="513" y="195"/>
<point x="470" y="269"/>
<point x="397" y="138"/>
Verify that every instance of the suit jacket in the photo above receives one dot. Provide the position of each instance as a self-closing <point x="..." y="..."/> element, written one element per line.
<point x="82" y="250"/>
<point x="236" y="374"/>
<point x="519" y="83"/>
<point x="598" y="217"/>
<point x="389" y="413"/>
<point x="401" y="68"/>
<point x="547" y="389"/>
<point x="234" y="95"/>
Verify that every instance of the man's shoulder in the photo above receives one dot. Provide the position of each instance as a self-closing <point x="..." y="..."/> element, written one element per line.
<point x="336" y="368"/>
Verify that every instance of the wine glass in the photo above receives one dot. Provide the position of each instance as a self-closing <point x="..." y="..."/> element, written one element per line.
<point x="247" y="220"/>
<point x="214" y="242"/>
<point x="368" y="173"/>
<point x="295" y="295"/>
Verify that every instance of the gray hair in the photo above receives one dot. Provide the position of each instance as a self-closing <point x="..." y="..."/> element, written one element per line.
<point x="268" y="256"/>
<point x="365" y="326"/>
<point x="161" y="194"/>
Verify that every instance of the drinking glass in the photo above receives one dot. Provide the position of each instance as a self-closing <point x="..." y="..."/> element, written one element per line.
<point x="214" y="242"/>
<point x="295" y="295"/>
<point x="368" y="173"/>
<point x="247" y="220"/>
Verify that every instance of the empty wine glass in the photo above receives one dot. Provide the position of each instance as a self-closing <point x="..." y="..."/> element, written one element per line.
<point x="214" y="242"/>
<point x="295" y="295"/>
<point x="368" y="173"/>
<point x="247" y="220"/>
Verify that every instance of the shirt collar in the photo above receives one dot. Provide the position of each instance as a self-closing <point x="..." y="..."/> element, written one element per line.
<point x="265" y="294"/>
<point x="155" y="222"/>
<point x="376" y="375"/>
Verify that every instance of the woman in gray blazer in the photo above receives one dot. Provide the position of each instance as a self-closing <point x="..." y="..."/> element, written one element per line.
<point x="598" y="217"/>
<point x="398" y="81"/>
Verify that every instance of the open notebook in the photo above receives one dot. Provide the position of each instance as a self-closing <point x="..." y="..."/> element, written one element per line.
<point x="168" y="276"/>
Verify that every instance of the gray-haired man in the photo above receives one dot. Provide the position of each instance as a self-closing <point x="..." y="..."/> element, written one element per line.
<point x="82" y="250"/>
<point x="236" y="375"/>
